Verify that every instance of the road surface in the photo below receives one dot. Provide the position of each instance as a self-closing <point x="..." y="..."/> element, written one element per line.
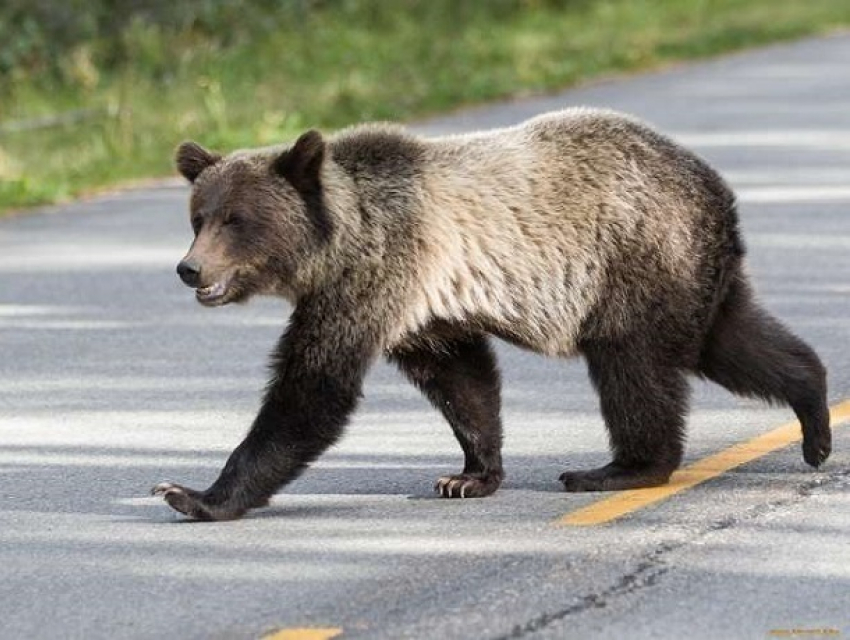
<point x="112" y="379"/>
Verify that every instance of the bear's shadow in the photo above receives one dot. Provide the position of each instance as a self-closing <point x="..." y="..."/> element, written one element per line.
<point x="376" y="475"/>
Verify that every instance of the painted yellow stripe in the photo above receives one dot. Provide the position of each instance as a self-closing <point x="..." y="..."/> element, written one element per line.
<point x="625" y="502"/>
<point x="304" y="634"/>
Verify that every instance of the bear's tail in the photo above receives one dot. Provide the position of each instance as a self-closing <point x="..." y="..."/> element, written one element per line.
<point x="752" y="354"/>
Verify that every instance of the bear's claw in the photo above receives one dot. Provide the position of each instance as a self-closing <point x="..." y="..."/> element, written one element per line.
<point x="467" y="485"/>
<point x="186" y="501"/>
<point x="161" y="488"/>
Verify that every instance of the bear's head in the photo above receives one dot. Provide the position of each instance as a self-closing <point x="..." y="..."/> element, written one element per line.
<point x="257" y="216"/>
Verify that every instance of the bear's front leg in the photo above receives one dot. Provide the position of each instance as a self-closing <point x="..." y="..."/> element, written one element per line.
<point x="295" y="425"/>
<point x="461" y="378"/>
<point x="318" y="376"/>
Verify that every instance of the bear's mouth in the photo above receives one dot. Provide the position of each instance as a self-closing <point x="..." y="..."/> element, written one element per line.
<point x="215" y="294"/>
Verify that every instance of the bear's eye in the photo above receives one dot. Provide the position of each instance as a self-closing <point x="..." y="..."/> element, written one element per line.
<point x="197" y="223"/>
<point x="233" y="220"/>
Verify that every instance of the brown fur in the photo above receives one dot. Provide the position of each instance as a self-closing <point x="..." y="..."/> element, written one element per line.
<point x="577" y="232"/>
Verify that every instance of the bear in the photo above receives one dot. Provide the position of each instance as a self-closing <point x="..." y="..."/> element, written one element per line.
<point x="583" y="232"/>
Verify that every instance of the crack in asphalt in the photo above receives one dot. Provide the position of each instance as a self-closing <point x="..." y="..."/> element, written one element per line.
<point x="652" y="566"/>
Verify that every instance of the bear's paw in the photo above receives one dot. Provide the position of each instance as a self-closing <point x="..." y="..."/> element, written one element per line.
<point x="467" y="485"/>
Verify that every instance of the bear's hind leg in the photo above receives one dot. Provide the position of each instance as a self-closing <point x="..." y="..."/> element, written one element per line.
<point x="644" y="404"/>
<point x="461" y="378"/>
<point x="752" y="354"/>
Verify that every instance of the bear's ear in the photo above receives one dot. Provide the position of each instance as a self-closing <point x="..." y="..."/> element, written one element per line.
<point x="191" y="159"/>
<point x="301" y="164"/>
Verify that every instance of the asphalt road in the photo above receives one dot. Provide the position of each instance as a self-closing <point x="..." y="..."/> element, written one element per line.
<point x="112" y="378"/>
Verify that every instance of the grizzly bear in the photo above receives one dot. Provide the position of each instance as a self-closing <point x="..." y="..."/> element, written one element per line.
<point x="581" y="232"/>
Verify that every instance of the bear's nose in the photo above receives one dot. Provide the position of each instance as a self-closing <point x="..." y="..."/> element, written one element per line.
<point x="189" y="272"/>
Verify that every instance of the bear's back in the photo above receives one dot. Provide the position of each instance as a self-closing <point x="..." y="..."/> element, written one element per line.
<point x="540" y="225"/>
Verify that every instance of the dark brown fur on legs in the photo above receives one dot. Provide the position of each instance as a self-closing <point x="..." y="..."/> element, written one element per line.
<point x="752" y="354"/>
<point x="461" y="379"/>
<point x="644" y="404"/>
<point x="318" y="370"/>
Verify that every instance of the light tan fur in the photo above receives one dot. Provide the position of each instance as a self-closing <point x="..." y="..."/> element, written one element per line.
<point x="519" y="225"/>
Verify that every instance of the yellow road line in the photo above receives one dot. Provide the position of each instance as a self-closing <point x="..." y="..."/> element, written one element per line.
<point x="625" y="502"/>
<point x="304" y="634"/>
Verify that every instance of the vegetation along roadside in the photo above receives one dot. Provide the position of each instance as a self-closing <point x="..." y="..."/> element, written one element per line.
<point x="97" y="92"/>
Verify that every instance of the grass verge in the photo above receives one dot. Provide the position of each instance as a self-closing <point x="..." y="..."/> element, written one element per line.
<point x="259" y="79"/>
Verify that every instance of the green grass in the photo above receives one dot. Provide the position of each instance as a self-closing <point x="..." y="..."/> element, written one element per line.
<point x="246" y="79"/>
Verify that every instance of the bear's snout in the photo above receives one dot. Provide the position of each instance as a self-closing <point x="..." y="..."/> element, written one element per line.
<point x="189" y="272"/>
